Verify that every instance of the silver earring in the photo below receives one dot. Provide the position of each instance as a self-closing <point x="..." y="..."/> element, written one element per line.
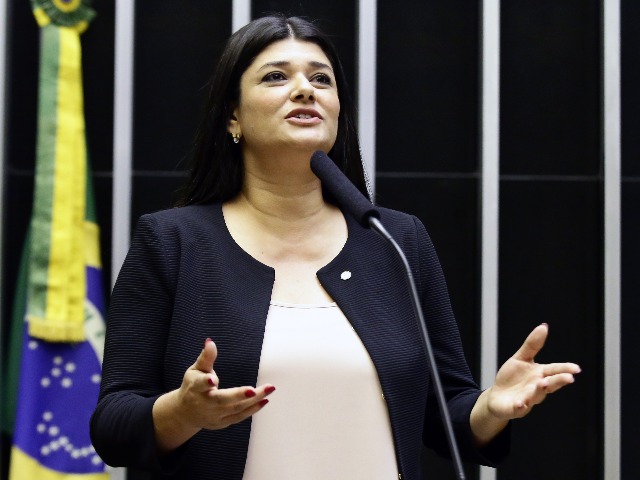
<point x="236" y="137"/>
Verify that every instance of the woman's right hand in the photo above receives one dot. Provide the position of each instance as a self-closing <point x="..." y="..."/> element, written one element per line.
<point x="199" y="403"/>
<point x="204" y="405"/>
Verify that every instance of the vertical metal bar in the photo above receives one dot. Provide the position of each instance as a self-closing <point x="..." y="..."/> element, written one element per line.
<point x="490" y="148"/>
<point x="367" y="38"/>
<point x="122" y="134"/>
<point x="4" y="68"/>
<point x="241" y="14"/>
<point x="122" y="145"/>
<point x="612" y="237"/>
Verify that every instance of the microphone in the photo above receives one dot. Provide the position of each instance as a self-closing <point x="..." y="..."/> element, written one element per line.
<point x="345" y="192"/>
<point x="368" y="215"/>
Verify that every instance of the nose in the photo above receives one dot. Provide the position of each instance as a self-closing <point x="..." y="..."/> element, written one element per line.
<point x="303" y="90"/>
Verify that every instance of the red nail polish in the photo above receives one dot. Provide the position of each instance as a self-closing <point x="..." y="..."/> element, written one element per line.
<point x="269" y="389"/>
<point x="263" y="402"/>
<point x="211" y="382"/>
<point x="249" y="393"/>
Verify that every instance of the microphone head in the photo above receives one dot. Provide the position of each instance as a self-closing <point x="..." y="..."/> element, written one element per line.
<point x="349" y="198"/>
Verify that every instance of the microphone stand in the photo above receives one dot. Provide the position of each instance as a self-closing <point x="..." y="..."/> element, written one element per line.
<point x="375" y="225"/>
<point x="354" y="202"/>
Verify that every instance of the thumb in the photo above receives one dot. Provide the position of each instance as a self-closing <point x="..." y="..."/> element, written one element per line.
<point x="533" y="343"/>
<point x="207" y="357"/>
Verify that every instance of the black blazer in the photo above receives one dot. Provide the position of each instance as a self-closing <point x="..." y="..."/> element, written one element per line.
<point x="185" y="279"/>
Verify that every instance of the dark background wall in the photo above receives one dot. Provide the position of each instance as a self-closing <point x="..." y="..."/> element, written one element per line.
<point x="551" y="235"/>
<point x="428" y="163"/>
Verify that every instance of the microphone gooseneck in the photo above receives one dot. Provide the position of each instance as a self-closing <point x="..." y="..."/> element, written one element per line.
<point x="354" y="203"/>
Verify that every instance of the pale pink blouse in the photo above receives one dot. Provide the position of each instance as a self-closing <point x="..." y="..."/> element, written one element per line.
<point x="327" y="418"/>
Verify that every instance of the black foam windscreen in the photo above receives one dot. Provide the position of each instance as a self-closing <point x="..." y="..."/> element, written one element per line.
<point x="346" y="194"/>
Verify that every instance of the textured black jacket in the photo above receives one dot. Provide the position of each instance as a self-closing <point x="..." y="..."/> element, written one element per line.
<point x="185" y="279"/>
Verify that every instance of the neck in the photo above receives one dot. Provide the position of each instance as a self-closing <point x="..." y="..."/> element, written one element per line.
<point x="282" y="188"/>
<point x="282" y="216"/>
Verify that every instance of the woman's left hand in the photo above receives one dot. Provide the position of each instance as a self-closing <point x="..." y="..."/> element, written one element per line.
<point x="520" y="384"/>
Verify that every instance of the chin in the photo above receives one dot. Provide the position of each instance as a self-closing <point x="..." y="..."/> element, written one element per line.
<point x="311" y="145"/>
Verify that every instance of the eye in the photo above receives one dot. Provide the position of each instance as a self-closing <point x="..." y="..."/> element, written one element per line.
<point x="274" y="77"/>
<point x="322" y="78"/>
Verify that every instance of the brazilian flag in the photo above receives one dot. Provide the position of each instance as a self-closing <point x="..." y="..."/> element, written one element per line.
<point x="57" y="337"/>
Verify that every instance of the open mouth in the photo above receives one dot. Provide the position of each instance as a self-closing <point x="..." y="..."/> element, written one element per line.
<point x="304" y="114"/>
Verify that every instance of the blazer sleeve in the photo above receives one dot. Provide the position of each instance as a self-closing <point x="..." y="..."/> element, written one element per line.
<point x="460" y="390"/>
<point x="122" y="429"/>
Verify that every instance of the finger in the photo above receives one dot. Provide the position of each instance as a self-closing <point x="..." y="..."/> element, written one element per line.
<point x="243" y="395"/>
<point x="250" y="410"/>
<point x="256" y="401"/>
<point x="212" y="381"/>
<point x="200" y="381"/>
<point x="546" y="386"/>
<point x="267" y="389"/>
<point x="207" y="357"/>
<point x="533" y="343"/>
<point x="524" y="405"/>
<point x="235" y="404"/>
<point x="557" y="368"/>
<point x="556" y="382"/>
<point x="521" y="408"/>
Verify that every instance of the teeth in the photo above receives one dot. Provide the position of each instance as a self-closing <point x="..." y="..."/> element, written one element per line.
<point x="303" y="115"/>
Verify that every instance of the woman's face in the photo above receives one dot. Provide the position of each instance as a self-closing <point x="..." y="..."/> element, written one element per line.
<point x="288" y="100"/>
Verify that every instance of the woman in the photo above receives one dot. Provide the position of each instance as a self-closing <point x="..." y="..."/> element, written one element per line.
<point x="261" y="261"/>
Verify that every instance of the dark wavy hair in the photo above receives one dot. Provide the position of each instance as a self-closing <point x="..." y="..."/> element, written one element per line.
<point x="216" y="171"/>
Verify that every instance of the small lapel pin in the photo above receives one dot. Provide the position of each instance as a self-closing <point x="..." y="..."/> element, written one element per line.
<point x="346" y="275"/>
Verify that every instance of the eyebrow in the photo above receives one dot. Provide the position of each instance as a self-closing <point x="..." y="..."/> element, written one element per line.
<point x="284" y="63"/>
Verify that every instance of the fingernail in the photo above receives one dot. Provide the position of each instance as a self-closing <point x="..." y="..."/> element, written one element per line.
<point x="269" y="389"/>
<point x="263" y="402"/>
<point x="545" y="324"/>
<point x="207" y="341"/>
<point x="249" y="393"/>
<point x="211" y="382"/>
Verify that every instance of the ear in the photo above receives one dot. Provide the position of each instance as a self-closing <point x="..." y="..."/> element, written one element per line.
<point x="233" y="126"/>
